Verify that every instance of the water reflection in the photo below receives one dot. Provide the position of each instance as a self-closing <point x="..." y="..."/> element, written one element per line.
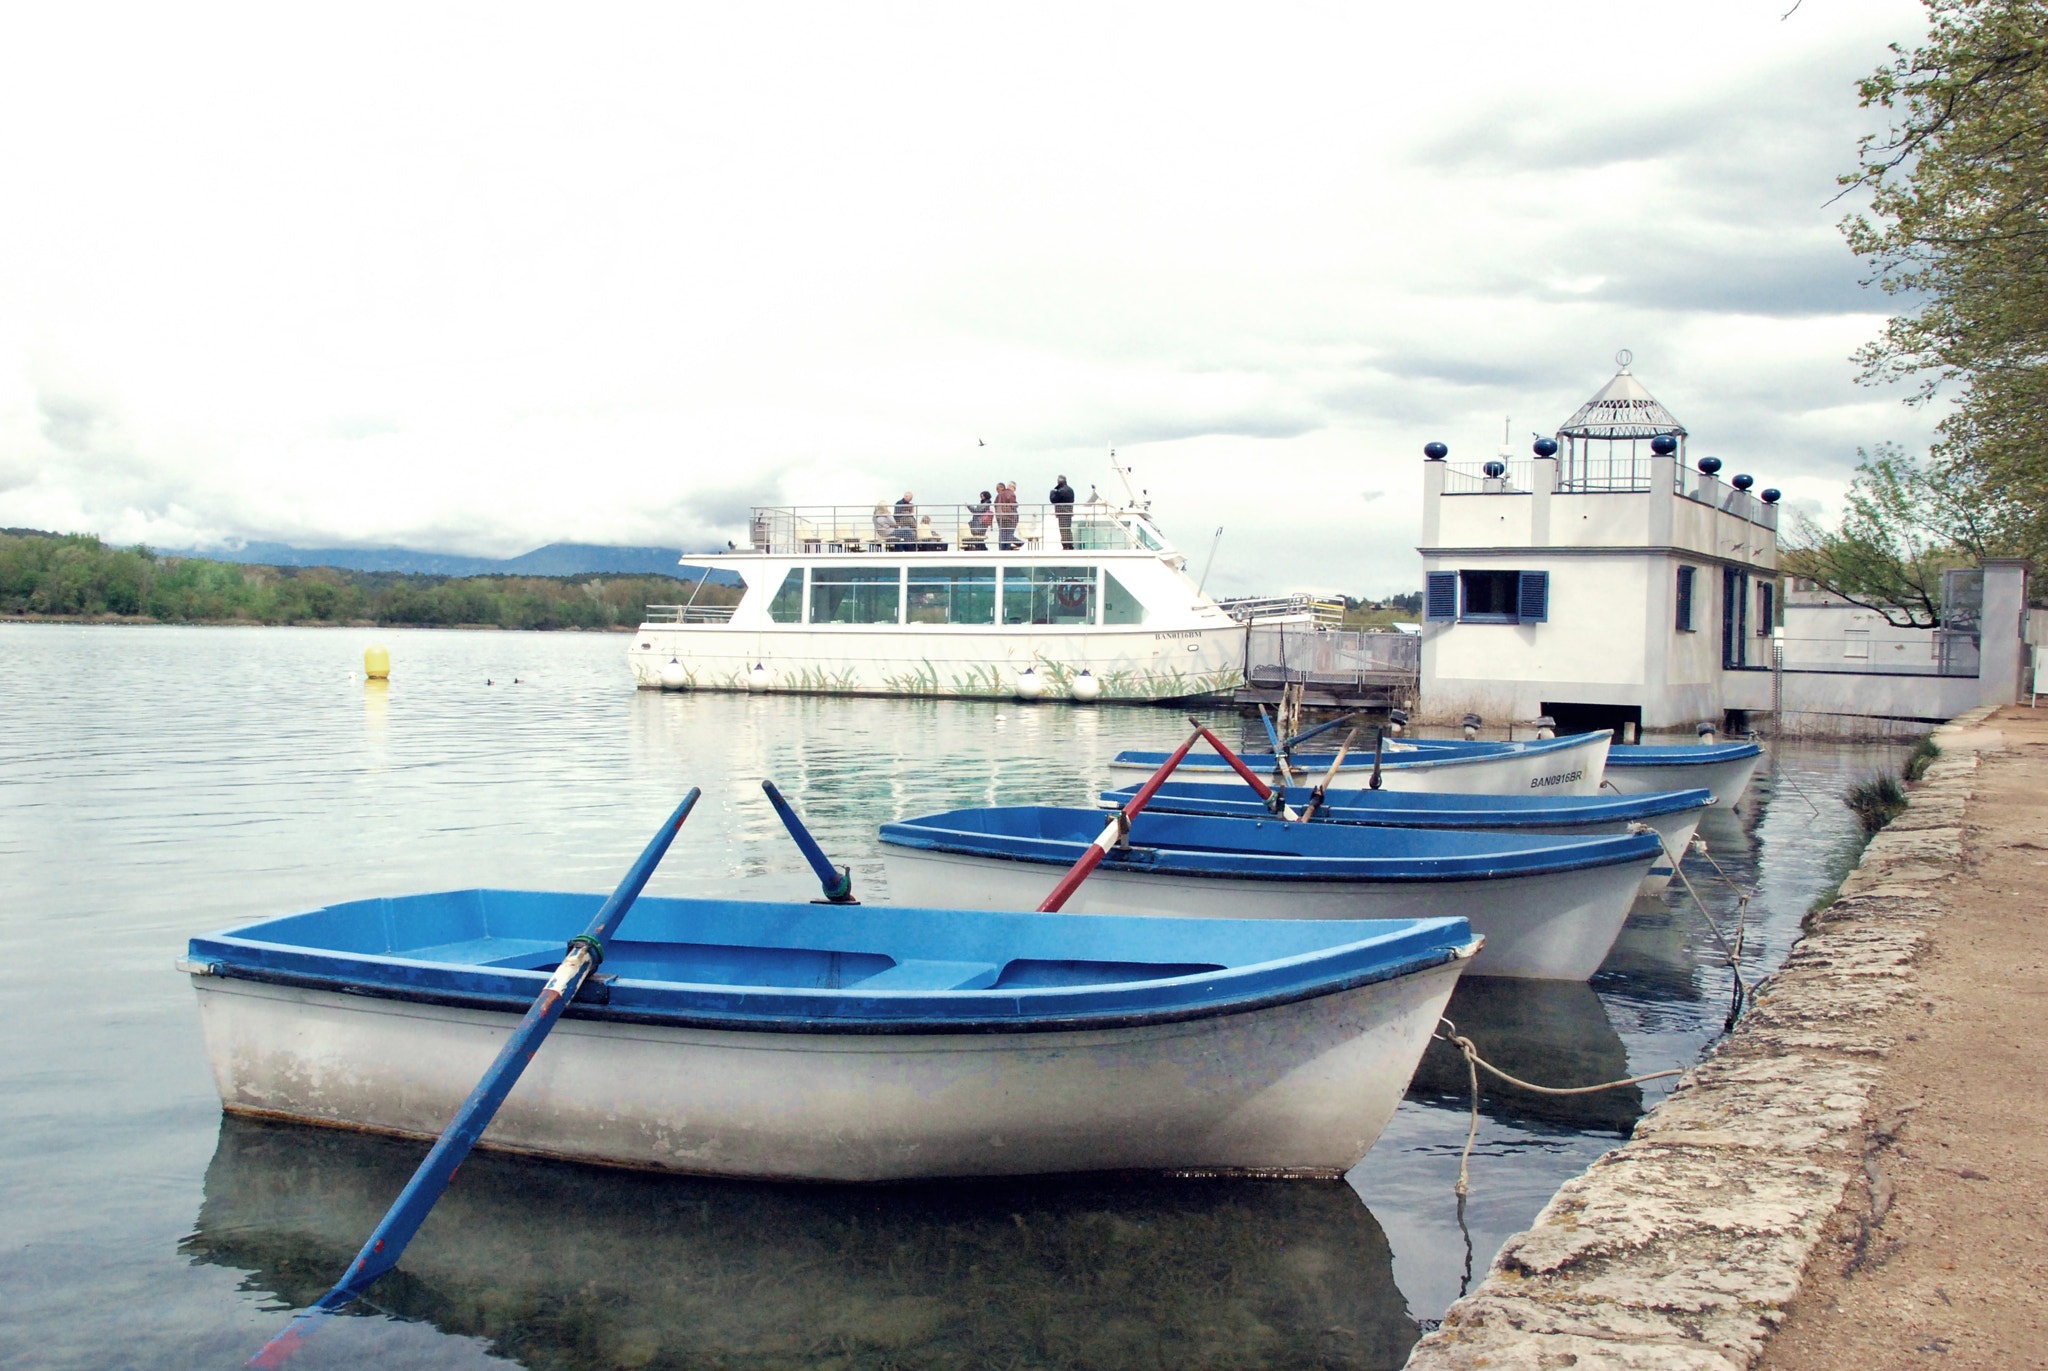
<point x="561" y="1266"/>
<point x="1551" y="1033"/>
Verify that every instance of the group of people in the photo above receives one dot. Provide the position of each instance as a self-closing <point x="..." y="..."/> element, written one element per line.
<point x="902" y="529"/>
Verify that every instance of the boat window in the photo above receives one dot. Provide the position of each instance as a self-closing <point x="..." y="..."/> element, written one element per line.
<point x="1119" y="606"/>
<point x="856" y="595"/>
<point x="1049" y="595"/>
<point x="952" y="595"/>
<point x="1145" y="537"/>
<point x="788" y="605"/>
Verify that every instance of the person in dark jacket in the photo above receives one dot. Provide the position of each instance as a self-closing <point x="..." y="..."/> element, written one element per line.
<point x="1063" y="506"/>
<point x="977" y="525"/>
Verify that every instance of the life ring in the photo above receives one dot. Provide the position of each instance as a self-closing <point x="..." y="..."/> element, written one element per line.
<point x="1071" y="597"/>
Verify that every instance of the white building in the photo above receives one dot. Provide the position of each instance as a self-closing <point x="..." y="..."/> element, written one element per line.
<point x="1606" y="581"/>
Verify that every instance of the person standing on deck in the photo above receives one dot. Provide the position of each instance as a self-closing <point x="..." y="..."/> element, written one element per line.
<point x="1063" y="506"/>
<point x="1006" y="517"/>
<point x="977" y="524"/>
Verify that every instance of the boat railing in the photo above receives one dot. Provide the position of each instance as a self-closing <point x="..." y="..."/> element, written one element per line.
<point x="689" y="614"/>
<point x="815" y="529"/>
<point x="1321" y="610"/>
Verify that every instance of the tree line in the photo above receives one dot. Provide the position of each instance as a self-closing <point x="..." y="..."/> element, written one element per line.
<point x="78" y="575"/>
<point x="1957" y="225"/>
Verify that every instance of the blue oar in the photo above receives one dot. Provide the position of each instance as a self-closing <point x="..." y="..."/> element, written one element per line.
<point x="409" y="1211"/>
<point x="1298" y="739"/>
<point x="837" y="880"/>
<point x="1279" y="757"/>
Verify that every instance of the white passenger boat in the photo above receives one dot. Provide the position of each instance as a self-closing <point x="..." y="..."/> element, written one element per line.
<point x="1549" y="907"/>
<point x="1552" y="766"/>
<point x="1089" y="604"/>
<point x="838" y="1043"/>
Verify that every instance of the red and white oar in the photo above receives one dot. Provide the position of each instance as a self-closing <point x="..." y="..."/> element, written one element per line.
<point x="1274" y="800"/>
<point x="1117" y="829"/>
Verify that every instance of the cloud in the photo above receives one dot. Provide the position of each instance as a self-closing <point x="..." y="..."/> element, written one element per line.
<point x="622" y="280"/>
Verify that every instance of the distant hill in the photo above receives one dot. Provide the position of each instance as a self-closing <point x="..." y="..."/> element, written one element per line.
<point x="556" y="559"/>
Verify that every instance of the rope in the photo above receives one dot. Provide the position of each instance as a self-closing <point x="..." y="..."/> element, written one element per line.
<point x="1473" y="1061"/>
<point x="1742" y="897"/>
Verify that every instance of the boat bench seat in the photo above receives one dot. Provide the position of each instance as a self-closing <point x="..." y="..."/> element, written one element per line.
<point x="924" y="975"/>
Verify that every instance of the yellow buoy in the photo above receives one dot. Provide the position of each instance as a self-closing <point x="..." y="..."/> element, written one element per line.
<point x="376" y="663"/>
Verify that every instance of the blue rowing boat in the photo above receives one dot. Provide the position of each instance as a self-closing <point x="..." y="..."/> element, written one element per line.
<point x="1548" y="906"/>
<point x="1674" y="815"/>
<point x="1550" y="766"/>
<point x="838" y="1042"/>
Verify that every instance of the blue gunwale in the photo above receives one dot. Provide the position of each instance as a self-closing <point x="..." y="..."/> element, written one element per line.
<point x="1680" y="754"/>
<point x="1266" y="849"/>
<point x="1420" y="809"/>
<point x="1218" y="967"/>
<point x="1424" y="756"/>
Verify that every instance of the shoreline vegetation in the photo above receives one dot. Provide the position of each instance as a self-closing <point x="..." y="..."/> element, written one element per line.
<point x="75" y="578"/>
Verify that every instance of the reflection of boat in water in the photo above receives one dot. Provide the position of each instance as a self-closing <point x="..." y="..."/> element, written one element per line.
<point x="567" y="1266"/>
<point x="1548" y="1033"/>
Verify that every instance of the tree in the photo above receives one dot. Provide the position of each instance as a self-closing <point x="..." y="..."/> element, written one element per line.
<point x="1904" y="526"/>
<point x="1958" y="223"/>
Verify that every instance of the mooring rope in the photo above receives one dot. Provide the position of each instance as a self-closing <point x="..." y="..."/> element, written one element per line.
<point x="1733" y="953"/>
<point x="1473" y="1061"/>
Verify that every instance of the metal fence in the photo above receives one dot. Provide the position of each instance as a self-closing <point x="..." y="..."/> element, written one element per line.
<point x="1324" y="611"/>
<point x="1334" y="659"/>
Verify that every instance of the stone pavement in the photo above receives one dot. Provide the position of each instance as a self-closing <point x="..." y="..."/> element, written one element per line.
<point x="1682" y="1249"/>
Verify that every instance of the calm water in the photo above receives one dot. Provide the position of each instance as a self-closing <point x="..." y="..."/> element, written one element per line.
<point x="160" y="782"/>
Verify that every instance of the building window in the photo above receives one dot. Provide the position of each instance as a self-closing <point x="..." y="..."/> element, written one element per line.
<point x="952" y="595"/>
<point x="1119" y="606"/>
<point x="856" y="595"/>
<point x="1766" y="609"/>
<point x="1856" y="644"/>
<point x="788" y="605"/>
<point x="1057" y="595"/>
<point x="1489" y="597"/>
<point x="1686" y="576"/>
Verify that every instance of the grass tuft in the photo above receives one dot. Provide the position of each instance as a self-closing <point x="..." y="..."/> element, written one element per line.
<point x="1919" y="759"/>
<point x="1876" y="800"/>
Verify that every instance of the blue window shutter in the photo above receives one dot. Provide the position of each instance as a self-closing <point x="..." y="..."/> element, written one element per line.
<point x="1443" y="596"/>
<point x="1534" y="603"/>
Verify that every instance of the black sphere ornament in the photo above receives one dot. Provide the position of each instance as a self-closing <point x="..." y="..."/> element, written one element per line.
<point x="1495" y="468"/>
<point x="1709" y="465"/>
<point x="1770" y="495"/>
<point x="1743" y="482"/>
<point x="1436" y="452"/>
<point x="1663" y="445"/>
<point x="1546" y="447"/>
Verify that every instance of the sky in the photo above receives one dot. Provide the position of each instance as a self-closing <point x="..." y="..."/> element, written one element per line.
<point x="478" y="278"/>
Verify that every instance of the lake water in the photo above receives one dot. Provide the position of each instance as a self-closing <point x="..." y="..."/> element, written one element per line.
<point x="161" y="782"/>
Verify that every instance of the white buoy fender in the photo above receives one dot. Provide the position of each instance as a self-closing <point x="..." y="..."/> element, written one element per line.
<point x="675" y="676"/>
<point x="757" y="679"/>
<point x="1087" y="688"/>
<point x="1029" y="687"/>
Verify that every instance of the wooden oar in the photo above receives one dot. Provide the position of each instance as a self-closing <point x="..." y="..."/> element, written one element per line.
<point x="1116" y="830"/>
<point x="837" y="880"/>
<point x="410" y="1209"/>
<point x="1379" y="740"/>
<point x="1279" y="753"/>
<point x="1315" y="799"/>
<point x="1298" y="739"/>
<point x="1275" y="801"/>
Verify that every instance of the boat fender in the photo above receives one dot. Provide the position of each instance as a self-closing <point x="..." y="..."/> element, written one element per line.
<point x="675" y="676"/>
<point x="1706" y="732"/>
<point x="757" y="679"/>
<point x="1086" y="688"/>
<point x="1029" y="687"/>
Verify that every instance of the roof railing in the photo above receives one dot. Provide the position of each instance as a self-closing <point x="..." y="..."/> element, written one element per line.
<point x="813" y="529"/>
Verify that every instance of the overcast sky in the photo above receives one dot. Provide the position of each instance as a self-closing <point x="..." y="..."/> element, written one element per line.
<point x="477" y="279"/>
